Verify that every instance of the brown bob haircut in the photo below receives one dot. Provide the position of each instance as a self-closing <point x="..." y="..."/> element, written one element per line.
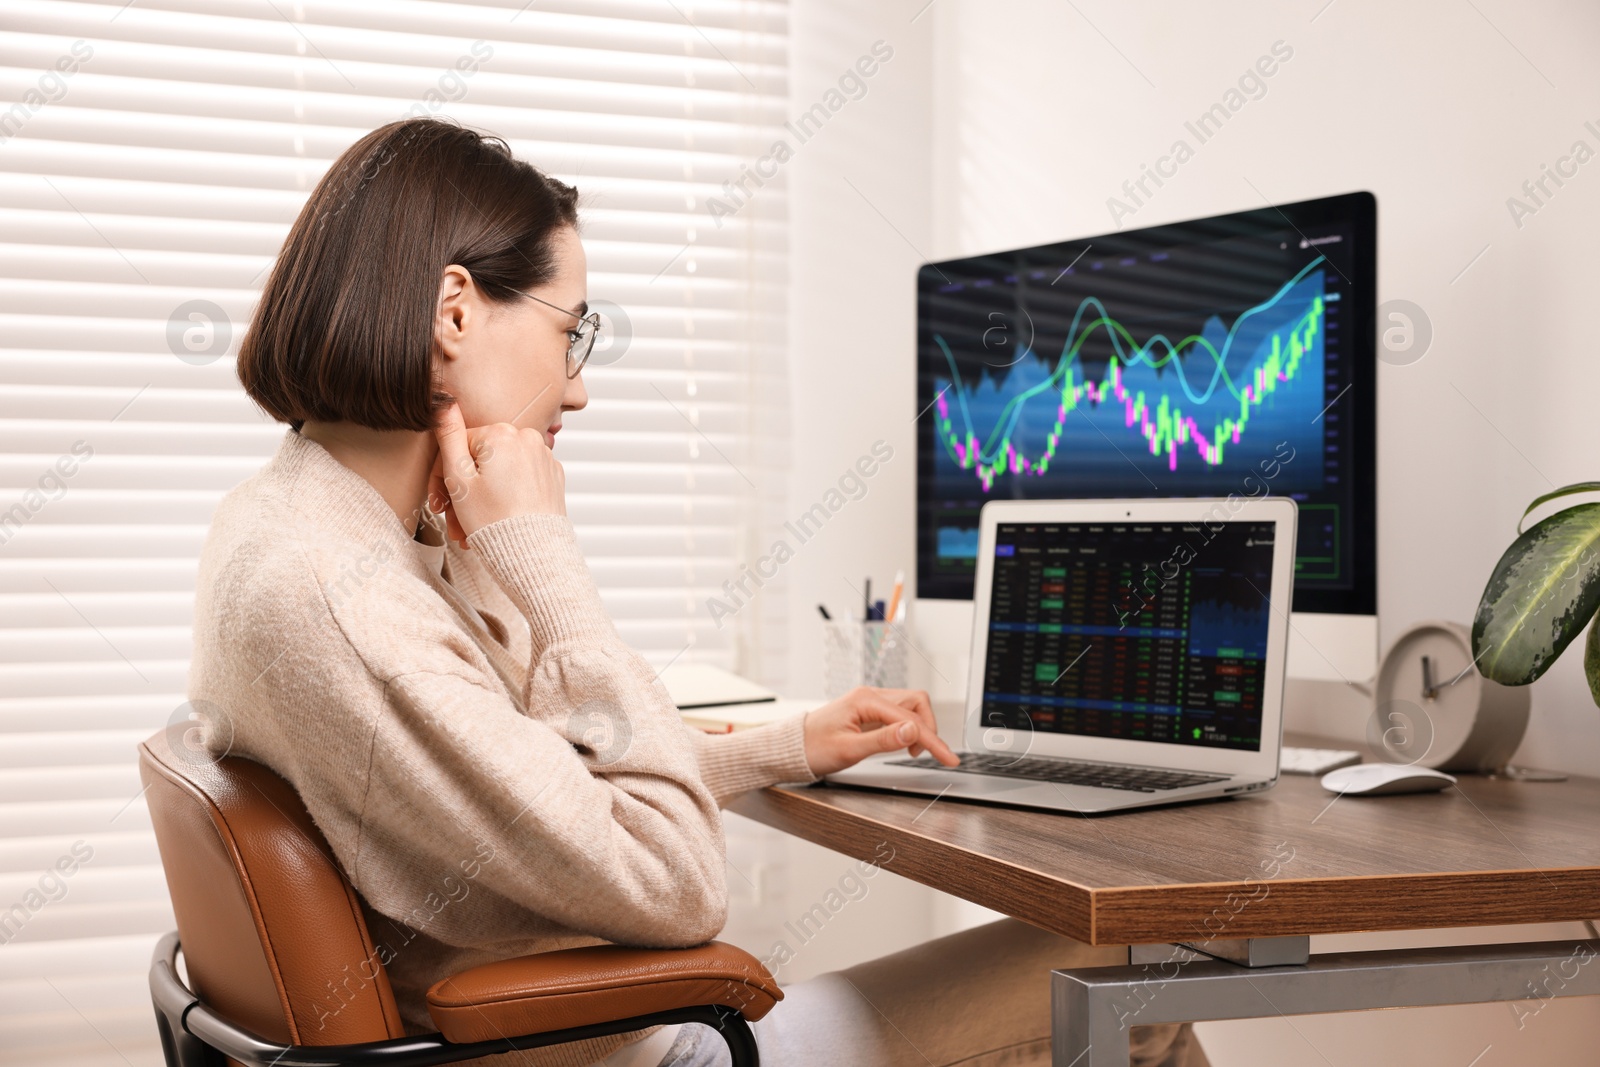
<point x="344" y="327"/>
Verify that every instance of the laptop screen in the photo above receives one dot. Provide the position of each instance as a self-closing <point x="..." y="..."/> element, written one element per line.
<point x="1137" y="631"/>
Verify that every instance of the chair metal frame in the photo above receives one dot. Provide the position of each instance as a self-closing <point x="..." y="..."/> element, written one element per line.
<point x="193" y="1035"/>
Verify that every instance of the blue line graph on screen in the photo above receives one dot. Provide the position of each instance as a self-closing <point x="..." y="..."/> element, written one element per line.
<point x="1203" y="408"/>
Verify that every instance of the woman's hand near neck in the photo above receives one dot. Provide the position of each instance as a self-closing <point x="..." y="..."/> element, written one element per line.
<point x="505" y="362"/>
<point x="394" y="462"/>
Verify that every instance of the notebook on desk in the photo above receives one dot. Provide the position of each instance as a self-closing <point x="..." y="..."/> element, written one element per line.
<point x="700" y="685"/>
<point x="1125" y="653"/>
<point x="726" y="718"/>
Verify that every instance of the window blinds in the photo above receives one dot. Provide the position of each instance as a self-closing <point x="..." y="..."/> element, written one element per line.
<point x="152" y="156"/>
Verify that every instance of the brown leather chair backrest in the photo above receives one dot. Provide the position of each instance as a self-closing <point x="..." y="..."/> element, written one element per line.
<point x="272" y="932"/>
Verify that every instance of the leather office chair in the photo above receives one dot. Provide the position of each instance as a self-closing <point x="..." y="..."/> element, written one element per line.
<point x="269" y="924"/>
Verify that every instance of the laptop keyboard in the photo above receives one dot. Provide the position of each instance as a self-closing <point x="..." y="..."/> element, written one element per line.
<point x="1068" y="772"/>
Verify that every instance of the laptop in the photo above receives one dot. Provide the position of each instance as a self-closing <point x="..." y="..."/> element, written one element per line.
<point x="1125" y="653"/>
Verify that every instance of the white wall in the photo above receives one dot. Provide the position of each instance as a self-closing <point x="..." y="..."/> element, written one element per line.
<point x="850" y="315"/>
<point x="1041" y="114"/>
<point x="861" y="223"/>
<point x="1000" y="125"/>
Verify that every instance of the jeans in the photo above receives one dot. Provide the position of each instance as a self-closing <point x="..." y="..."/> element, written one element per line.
<point x="697" y="1046"/>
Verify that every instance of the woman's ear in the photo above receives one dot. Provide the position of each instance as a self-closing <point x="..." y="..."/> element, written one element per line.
<point x="453" y="313"/>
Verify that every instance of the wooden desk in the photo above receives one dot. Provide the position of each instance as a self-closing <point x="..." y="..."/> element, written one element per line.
<point x="1487" y="852"/>
<point x="1292" y="861"/>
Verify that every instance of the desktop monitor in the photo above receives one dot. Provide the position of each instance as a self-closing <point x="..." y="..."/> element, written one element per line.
<point x="1227" y="355"/>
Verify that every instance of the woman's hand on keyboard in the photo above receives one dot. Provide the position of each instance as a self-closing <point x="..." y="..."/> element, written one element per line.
<point x="867" y="721"/>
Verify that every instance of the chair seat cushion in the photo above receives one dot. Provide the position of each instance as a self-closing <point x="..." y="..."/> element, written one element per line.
<point x="600" y="983"/>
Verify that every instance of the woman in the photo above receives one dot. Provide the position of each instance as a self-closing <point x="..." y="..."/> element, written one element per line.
<point x="394" y="615"/>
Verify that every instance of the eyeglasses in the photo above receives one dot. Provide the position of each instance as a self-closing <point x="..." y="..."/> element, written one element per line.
<point x="580" y="339"/>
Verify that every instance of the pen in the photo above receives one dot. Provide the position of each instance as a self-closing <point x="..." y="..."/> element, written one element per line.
<point x="894" y="598"/>
<point x="866" y="602"/>
<point x="824" y="612"/>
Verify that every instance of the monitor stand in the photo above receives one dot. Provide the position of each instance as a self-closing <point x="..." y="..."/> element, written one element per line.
<point x="1333" y="660"/>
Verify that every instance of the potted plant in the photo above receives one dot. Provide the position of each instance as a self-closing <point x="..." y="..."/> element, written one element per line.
<point x="1543" y="592"/>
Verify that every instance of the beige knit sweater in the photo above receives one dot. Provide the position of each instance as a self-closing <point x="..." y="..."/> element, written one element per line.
<point x="495" y="770"/>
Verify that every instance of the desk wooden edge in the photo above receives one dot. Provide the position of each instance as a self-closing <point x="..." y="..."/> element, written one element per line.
<point x="1186" y="912"/>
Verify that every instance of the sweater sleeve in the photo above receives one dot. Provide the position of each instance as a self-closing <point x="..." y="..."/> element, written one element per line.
<point x="592" y="802"/>
<point x="535" y="559"/>
<point x="731" y="764"/>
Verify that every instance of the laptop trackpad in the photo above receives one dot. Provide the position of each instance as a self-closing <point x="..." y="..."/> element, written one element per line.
<point x="957" y="783"/>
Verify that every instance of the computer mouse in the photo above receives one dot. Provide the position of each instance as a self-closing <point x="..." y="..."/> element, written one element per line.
<point x="1384" y="779"/>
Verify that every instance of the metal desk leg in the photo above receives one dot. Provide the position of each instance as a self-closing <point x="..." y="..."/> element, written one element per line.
<point x="1093" y="1008"/>
<point x="1085" y="1029"/>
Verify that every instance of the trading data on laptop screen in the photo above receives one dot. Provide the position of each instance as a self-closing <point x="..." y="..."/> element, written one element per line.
<point x="1139" y="631"/>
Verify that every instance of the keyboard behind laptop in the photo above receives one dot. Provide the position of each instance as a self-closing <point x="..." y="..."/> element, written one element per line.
<point x="1068" y="772"/>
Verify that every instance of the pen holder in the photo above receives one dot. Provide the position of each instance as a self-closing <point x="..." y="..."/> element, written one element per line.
<point x="862" y="653"/>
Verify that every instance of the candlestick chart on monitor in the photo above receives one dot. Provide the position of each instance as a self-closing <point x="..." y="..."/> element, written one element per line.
<point x="1222" y="398"/>
<point x="1169" y="362"/>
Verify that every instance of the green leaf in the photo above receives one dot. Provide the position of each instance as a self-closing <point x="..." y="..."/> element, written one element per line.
<point x="1542" y="593"/>
<point x="1565" y="490"/>
<point x="1591" y="659"/>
